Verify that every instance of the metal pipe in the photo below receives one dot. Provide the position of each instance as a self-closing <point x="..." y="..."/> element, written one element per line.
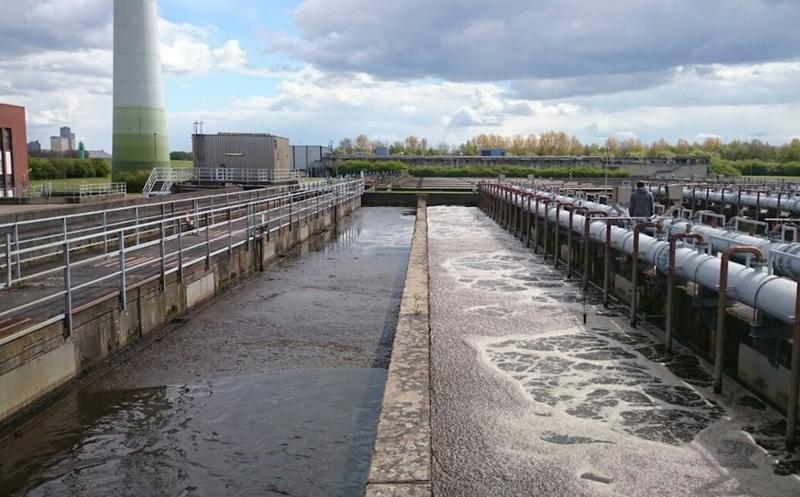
<point x="722" y="301"/>
<point x="556" y="244"/>
<point x="528" y="236"/>
<point x="607" y="265"/>
<point x="719" y="240"/>
<point x="794" y="378"/>
<point x="586" y="238"/>
<point x="776" y="296"/>
<point x="637" y="230"/>
<point x="671" y="282"/>
<point x="571" y="210"/>
<point x="547" y="203"/>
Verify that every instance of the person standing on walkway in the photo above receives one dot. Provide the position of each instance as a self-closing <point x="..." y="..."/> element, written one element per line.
<point x="642" y="202"/>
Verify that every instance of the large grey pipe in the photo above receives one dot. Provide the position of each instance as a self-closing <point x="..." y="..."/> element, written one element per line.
<point x="764" y="201"/>
<point x="722" y="239"/>
<point x="770" y="294"/>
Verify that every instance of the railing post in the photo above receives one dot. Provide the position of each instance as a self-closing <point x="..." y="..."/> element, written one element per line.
<point x="163" y="253"/>
<point x="123" y="284"/>
<point x="230" y="233"/>
<point x="290" y="211"/>
<point x="105" y="232"/>
<point x="67" y="291"/>
<point x="208" y="241"/>
<point x="18" y="258"/>
<point x="8" y="260"/>
<point x="180" y="251"/>
<point x="136" y="213"/>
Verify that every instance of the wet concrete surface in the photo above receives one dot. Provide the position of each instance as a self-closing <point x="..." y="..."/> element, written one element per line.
<point x="275" y="389"/>
<point x="527" y="400"/>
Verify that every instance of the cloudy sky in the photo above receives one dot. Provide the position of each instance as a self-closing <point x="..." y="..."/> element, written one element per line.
<point x="318" y="70"/>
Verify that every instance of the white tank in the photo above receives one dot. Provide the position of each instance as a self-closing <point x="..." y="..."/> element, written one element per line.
<point x="140" y="130"/>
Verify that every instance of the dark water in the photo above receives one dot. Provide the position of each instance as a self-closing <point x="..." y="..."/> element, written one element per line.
<point x="274" y="390"/>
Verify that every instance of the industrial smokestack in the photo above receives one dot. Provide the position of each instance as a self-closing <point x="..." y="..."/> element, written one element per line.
<point x="140" y="129"/>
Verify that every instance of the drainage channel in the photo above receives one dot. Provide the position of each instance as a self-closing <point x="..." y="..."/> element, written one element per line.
<point x="275" y="389"/>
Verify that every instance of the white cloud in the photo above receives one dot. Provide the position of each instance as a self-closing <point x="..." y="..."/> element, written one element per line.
<point x="547" y="40"/>
<point x="231" y="56"/>
<point x="187" y="57"/>
<point x="466" y="117"/>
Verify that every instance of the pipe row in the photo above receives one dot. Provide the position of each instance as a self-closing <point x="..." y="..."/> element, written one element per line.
<point x="720" y="240"/>
<point x="767" y="293"/>
<point x="759" y="200"/>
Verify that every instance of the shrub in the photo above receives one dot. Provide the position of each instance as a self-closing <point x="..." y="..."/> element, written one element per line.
<point x="723" y="167"/>
<point x="100" y="168"/>
<point x="42" y="168"/>
<point x="135" y="180"/>
<point x="478" y="171"/>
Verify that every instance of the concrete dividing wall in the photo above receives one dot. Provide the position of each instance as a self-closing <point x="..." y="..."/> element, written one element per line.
<point x="38" y="365"/>
<point x="409" y="199"/>
<point x="401" y="460"/>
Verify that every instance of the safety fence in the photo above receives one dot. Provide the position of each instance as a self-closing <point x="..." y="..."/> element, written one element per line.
<point x="90" y="250"/>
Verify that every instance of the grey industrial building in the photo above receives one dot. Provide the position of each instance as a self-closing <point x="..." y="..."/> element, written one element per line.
<point x="260" y="151"/>
<point x="305" y="157"/>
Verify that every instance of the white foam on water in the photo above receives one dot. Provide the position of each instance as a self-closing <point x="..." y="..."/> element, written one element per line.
<point x="589" y="403"/>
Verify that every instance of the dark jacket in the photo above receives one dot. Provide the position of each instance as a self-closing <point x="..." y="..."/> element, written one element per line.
<point x="642" y="203"/>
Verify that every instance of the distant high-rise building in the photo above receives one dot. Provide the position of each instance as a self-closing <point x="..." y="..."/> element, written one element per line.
<point x="66" y="132"/>
<point x="59" y="144"/>
<point x="34" y="147"/>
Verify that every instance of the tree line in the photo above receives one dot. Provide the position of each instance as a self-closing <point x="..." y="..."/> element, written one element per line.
<point x="560" y="143"/>
<point x="48" y="168"/>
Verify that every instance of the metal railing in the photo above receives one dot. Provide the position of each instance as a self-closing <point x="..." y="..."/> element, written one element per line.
<point x="161" y="179"/>
<point x="47" y="189"/>
<point x="159" y="241"/>
<point x="117" y="188"/>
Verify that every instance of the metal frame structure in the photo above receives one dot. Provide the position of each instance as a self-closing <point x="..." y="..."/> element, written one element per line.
<point x="240" y="217"/>
<point x="161" y="179"/>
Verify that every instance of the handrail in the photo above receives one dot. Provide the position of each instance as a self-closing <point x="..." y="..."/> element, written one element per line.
<point x="304" y="201"/>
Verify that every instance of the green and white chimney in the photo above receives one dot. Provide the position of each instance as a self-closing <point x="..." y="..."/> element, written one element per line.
<point x="140" y="127"/>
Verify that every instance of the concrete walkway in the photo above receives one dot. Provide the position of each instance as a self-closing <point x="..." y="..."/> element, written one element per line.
<point x="401" y="461"/>
<point x="527" y="400"/>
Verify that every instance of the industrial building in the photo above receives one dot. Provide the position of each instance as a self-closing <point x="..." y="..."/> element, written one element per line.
<point x="305" y="157"/>
<point x="64" y="142"/>
<point x="13" y="150"/>
<point x="251" y="151"/>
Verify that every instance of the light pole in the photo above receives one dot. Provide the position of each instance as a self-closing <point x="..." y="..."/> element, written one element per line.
<point x="154" y="149"/>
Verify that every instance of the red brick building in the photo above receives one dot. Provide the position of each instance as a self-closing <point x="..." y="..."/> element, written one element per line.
<point x="13" y="150"/>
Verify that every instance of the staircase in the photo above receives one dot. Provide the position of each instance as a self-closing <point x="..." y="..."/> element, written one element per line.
<point x="162" y="179"/>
